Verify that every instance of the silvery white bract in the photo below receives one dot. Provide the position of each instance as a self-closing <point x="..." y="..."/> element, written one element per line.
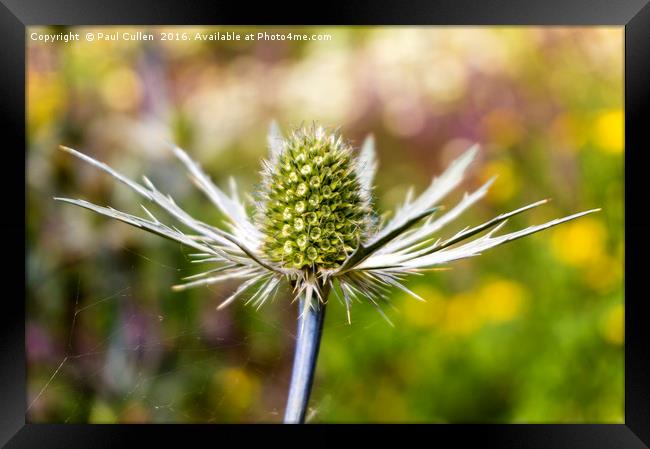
<point x="313" y="225"/>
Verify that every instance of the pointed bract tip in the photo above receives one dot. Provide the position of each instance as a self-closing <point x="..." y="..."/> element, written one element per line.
<point x="169" y="144"/>
<point x="274" y="130"/>
<point x="67" y="149"/>
<point x="178" y="151"/>
<point x="436" y="269"/>
<point x="369" y="140"/>
<point x="586" y="212"/>
<point x="472" y="150"/>
<point x="222" y="305"/>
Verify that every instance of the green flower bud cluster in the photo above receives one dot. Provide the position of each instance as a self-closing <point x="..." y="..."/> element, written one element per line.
<point x="313" y="214"/>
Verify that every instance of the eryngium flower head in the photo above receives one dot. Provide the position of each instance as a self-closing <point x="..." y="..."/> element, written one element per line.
<point x="314" y="227"/>
<point x="313" y="212"/>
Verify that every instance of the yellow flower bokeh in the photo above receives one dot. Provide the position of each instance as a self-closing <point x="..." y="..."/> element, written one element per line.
<point x="609" y="131"/>
<point x="501" y="300"/>
<point x="240" y="392"/>
<point x="494" y="301"/>
<point x="613" y="325"/>
<point x="506" y="184"/>
<point x="580" y="243"/>
<point x="428" y="313"/>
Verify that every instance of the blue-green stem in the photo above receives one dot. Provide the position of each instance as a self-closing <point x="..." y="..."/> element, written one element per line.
<point x="310" y="329"/>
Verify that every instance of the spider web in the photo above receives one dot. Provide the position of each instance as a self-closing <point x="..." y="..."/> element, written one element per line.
<point x="122" y="358"/>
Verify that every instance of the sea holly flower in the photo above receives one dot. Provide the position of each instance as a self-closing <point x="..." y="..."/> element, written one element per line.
<point x="314" y="227"/>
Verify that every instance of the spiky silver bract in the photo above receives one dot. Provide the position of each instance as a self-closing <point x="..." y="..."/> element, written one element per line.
<point x="316" y="201"/>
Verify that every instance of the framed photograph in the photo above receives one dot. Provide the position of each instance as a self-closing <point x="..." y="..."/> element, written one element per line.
<point x="369" y="214"/>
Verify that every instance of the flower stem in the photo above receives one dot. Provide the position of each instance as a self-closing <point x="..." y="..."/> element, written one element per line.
<point x="310" y="329"/>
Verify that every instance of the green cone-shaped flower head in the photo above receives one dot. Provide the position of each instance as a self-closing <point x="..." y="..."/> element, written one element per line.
<point x="313" y="213"/>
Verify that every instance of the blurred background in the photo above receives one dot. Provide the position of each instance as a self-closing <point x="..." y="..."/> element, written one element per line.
<point x="528" y="332"/>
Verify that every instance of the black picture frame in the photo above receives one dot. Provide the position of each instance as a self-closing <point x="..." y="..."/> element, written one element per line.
<point x="16" y="15"/>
